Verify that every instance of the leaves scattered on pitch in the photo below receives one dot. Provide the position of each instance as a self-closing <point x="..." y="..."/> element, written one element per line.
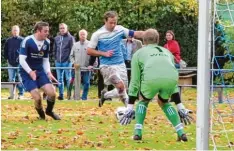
<point x="83" y="126"/>
<point x="86" y="126"/>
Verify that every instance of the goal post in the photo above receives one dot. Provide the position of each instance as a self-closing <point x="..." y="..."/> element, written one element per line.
<point x="203" y="76"/>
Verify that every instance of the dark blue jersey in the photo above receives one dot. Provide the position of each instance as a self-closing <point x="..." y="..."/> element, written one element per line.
<point x="35" y="51"/>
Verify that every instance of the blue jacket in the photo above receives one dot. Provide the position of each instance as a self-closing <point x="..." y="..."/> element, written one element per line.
<point x="62" y="47"/>
<point x="11" y="50"/>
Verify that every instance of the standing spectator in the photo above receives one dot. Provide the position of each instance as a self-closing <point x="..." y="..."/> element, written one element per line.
<point x="35" y="70"/>
<point x="132" y="45"/>
<point x="62" y="47"/>
<point x="11" y="54"/>
<point x="79" y="56"/>
<point x="173" y="46"/>
<point x="108" y="41"/>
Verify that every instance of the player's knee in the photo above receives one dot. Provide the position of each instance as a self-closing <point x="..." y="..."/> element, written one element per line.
<point x="120" y="86"/>
<point x="51" y="95"/>
<point x="145" y="101"/>
<point x="36" y="95"/>
<point x="115" y="79"/>
<point x="161" y="101"/>
<point x="38" y="102"/>
<point x="144" y="97"/>
<point x="175" y="97"/>
<point x="50" y="92"/>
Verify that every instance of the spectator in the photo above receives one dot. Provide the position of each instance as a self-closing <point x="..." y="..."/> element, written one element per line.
<point x="173" y="46"/>
<point x="62" y="47"/>
<point x="11" y="54"/>
<point x="79" y="57"/>
<point x="132" y="45"/>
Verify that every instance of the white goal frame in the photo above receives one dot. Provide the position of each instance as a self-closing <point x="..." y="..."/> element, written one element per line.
<point x="203" y="76"/>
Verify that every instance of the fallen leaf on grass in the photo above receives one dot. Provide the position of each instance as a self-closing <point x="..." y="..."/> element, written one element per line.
<point x="79" y="133"/>
<point x="13" y="135"/>
<point x="60" y="131"/>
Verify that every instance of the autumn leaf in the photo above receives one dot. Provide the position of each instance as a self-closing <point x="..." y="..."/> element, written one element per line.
<point x="79" y="133"/>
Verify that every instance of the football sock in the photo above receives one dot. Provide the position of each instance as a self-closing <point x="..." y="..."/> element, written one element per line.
<point x="173" y="117"/>
<point x="141" y="109"/>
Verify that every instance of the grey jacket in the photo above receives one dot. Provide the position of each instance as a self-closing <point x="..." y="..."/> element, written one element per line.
<point x="136" y="44"/>
<point x="79" y="54"/>
<point x="62" y="47"/>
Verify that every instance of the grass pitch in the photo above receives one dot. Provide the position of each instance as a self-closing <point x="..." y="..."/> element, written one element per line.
<point x="85" y="126"/>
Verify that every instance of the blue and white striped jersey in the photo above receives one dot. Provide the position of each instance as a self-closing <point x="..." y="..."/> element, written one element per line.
<point x="105" y="40"/>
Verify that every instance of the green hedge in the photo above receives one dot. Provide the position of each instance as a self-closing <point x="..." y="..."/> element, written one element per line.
<point x="177" y="15"/>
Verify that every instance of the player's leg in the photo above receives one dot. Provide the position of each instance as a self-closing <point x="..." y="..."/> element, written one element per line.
<point x="140" y="114"/>
<point x="122" y="71"/>
<point x="32" y="87"/>
<point x="38" y="103"/>
<point x="49" y="89"/>
<point x="175" y="97"/>
<point x="118" y="91"/>
<point x="51" y="95"/>
<point x="183" y="112"/>
<point x="148" y="90"/>
<point x="168" y="109"/>
<point x="122" y="92"/>
<point x="111" y="76"/>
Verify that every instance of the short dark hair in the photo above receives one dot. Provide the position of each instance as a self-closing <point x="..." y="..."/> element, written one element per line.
<point x="39" y="25"/>
<point x="110" y="14"/>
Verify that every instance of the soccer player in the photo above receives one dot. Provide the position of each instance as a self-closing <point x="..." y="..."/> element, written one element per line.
<point x="35" y="71"/>
<point x="153" y="72"/>
<point x="108" y="40"/>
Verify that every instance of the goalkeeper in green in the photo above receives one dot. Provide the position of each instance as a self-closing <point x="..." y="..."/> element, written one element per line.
<point x="153" y="72"/>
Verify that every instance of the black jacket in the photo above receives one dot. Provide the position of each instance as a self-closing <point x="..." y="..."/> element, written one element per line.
<point x="11" y="50"/>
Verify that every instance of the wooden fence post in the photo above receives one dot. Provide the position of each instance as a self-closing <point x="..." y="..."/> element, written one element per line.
<point x="77" y="83"/>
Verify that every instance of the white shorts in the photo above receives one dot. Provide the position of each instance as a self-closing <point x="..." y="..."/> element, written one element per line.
<point x="112" y="74"/>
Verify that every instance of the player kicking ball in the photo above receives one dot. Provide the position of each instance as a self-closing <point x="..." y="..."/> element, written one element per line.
<point x="153" y="72"/>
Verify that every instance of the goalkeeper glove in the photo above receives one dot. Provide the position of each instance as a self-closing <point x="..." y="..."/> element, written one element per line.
<point x="185" y="117"/>
<point x="128" y="115"/>
<point x="184" y="114"/>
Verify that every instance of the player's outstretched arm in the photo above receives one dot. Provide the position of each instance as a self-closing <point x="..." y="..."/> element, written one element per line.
<point x="138" y="34"/>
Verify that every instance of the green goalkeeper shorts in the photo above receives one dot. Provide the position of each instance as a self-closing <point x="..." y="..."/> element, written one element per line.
<point x="164" y="87"/>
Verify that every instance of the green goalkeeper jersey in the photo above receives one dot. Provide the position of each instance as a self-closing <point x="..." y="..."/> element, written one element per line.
<point x="150" y="63"/>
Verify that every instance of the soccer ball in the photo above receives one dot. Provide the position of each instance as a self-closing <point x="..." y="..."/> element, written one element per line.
<point x="120" y="112"/>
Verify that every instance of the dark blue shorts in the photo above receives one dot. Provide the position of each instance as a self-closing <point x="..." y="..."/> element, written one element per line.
<point x="30" y="84"/>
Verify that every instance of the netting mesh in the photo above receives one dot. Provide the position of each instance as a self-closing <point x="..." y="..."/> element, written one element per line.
<point x="222" y="112"/>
